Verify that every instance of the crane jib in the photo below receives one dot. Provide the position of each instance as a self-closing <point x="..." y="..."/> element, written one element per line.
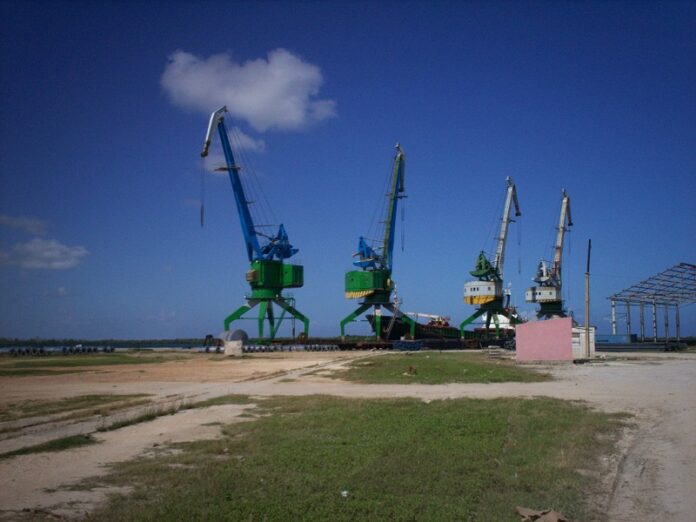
<point x="276" y="247"/>
<point x="396" y="192"/>
<point x="248" y="231"/>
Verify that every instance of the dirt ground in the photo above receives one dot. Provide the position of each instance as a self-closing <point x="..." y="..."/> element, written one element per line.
<point x="652" y="478"/>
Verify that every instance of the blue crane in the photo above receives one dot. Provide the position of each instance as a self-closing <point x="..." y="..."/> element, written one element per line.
<point x="268" y="274"/>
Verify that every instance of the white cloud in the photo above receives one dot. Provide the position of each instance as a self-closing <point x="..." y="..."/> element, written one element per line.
<point x="277" y="92"/>
<point x="242" y="141"/>
<point x="43" y="253"/>
<point x="33" y="226"/>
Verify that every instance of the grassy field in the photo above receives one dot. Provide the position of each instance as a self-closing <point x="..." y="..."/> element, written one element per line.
<point x="436" y="368"/>
<point x="321" y="458"/>
<point x="83" y="405"/>
<point x="97" y="359"/>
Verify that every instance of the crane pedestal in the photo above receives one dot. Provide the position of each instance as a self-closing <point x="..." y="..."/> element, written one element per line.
<point x="267" y="280"/>
<point x="376" y="287"/>
<point x="493" y="309"/>
<point x="366" y="305"/>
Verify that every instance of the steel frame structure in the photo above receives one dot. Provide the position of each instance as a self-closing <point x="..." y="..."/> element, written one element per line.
<point x="674" y="287"/>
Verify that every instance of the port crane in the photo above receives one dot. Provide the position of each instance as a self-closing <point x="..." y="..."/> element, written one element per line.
<point x="486" y="291"/>
<point x="548" y="278"/>
<point x="268" y="274"/>
<point x="373" y="282"/>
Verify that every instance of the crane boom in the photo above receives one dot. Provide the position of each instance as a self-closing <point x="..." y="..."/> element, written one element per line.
<point x="278" y="246"/>
<point x="504" y="225"/>
<point x="396" y="193"/>
<point x="558" y="248"/>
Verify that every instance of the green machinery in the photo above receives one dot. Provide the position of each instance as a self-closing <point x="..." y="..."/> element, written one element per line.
<point x="486" y="291"/>
<point x="373" y="283"/>
<point x="268" y="275"/>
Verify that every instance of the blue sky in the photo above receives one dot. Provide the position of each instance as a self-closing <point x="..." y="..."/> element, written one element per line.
<point x="100" y="175"/>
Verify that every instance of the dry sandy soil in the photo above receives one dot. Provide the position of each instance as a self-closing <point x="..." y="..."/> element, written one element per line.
<point x="652" y="478"/>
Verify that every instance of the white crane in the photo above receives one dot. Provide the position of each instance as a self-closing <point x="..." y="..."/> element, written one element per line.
<point x="548" y="277"/>
<point x="486" y="291"/>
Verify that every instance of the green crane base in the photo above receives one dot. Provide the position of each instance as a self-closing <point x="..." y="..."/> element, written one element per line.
<point x="493" y="309"/>
<point x="266" y="310"/>
<point x="378" y="318"/>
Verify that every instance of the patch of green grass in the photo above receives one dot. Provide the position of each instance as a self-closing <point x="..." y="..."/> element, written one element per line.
<point x="65" y="443"/>
<point x="436" y="368"/>
<point x="223" y="399"/>
<point x="399" y="459"/>
<point x="97" y="359"/>
<point x="80" y="406"/>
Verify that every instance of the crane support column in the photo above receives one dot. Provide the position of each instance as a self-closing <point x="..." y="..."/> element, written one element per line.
<point x="239" y="312"/>
<point x="466" y="322"/>
<point x="352" y="316"/>
<point x="283" y="303"/>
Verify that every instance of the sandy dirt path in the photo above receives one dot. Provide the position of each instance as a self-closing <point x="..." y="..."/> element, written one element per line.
<point x="656" y="477"/>
<point x="34" y="481"/>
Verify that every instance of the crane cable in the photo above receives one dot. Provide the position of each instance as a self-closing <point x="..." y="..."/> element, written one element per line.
<point x="202" y="197"/>
<point x="403" y="224"/>
<point x="377" y="228"/>
<point x="259" y="206"/>
<point x="519" y="248"/>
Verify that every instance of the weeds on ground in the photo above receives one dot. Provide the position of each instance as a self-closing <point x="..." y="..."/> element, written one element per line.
<point x="150" y="413"/>
<point x="31" y="372"/>
<point x="80" y="406"/>
<point x="223" y="399"/>
<point x="62" y="444"/>
<point x="436" y="368"/>
<point x="321" y="458"/>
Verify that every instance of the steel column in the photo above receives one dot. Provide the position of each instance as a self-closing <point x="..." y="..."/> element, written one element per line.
<point x="613" y="317"/>
<point x="628" y="318"/>
<point x="666" y="323"/>
<point x="654" y="318"/>
<point x="642" y="321"/>
<point x="676" y="321"/>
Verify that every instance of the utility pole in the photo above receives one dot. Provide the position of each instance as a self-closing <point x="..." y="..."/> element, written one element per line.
<point x="587" y="301"/>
